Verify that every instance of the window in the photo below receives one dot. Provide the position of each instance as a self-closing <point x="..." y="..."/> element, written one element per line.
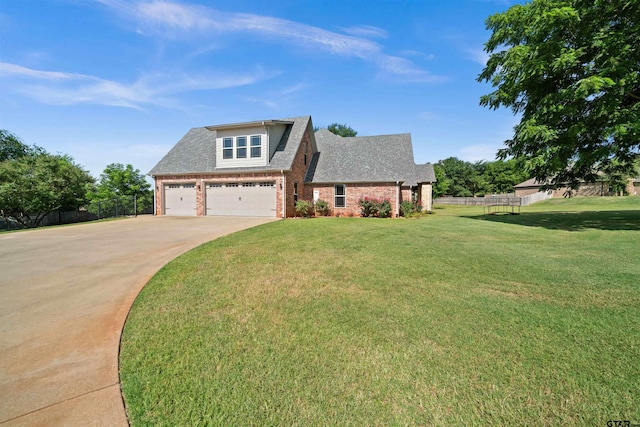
<point x="295" y="193"/>
<point x="340" y="193"/>
<point x="241" y="147"/>
<point x="256" y="146"/>
<point x="227" y="148"/>
<point x="189" y="186"/>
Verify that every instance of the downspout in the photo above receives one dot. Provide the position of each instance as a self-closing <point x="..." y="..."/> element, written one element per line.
<point x="284" y="194"/>
<point x="397" y="213"/>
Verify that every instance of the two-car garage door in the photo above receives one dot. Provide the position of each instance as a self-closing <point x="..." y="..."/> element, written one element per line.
<point x="241" y="199"/>
<point x="223" y="199"/>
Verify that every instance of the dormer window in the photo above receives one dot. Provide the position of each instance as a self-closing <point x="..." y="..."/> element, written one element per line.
<point x="241" y="147"/>
<point x="256" y="146"/>
<point x="227" y="148"/>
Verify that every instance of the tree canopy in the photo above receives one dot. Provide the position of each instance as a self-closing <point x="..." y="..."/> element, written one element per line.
<point x="571" y="69"/>
<point x="34" y="182"/>
<point x="341" y="130"/>
<point x="455" y="177"/>
<point x="12" y="147"/>
<point x="121" y="180"/>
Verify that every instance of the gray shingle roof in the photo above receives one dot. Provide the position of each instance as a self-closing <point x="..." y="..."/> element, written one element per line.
<point x="196" y="153"/>
<point x="384" y="158"/>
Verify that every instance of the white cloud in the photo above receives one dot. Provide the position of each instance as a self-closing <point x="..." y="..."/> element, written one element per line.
<point x="478" y="152"/>
<point x="169" y="19"/>
<point x="366" y="31"/>
<point x="60" y="88"/>
<point x="17" y="70"/>
<point x="478" y="55"/>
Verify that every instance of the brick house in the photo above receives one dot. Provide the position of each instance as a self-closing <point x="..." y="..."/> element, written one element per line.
<point x="586" y="189"/>
<point x="262" y="168"/>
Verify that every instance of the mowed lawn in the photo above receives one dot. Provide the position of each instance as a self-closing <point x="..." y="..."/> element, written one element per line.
<point x="455" y="318"/>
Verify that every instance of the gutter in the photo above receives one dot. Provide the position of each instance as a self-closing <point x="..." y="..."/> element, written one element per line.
<point x="284" y="194"/>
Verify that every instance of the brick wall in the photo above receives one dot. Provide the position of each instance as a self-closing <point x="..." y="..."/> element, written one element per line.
<point x="354" y="192"/>
<point x="298" y="172"/>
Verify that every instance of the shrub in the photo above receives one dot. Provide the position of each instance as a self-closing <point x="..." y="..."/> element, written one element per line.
<point x="380" y="208"/>
<point x="384" y="209"/>
<point x="304" y="208"/>
<point x="322" y="207"/>
<point x="408" y="208"/>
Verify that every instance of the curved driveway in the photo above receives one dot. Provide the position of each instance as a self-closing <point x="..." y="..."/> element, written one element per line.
<point x="64" y="296"/>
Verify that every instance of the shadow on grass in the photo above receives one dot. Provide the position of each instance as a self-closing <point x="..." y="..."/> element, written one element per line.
<point x="571" y="221"/>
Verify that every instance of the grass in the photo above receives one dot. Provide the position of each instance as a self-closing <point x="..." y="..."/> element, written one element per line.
<point x="453" y="318"/>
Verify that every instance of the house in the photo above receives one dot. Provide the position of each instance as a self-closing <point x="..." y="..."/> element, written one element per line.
<point x="263" y="168"/>
<point x="586" y="189"/>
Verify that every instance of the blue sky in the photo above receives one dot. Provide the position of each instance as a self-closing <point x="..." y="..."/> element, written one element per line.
<point x="121" y="81"/>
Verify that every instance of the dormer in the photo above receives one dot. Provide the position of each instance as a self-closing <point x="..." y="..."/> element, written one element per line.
<point x="249" y="144"/>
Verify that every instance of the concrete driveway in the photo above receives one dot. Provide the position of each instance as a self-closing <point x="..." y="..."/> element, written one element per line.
<point x="64" y="296"/>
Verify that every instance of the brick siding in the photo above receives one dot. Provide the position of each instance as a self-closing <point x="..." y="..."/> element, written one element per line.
<point x="354" y="192"/>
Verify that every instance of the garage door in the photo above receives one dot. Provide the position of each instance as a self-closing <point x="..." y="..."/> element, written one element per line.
<point x="180" y="199"/>
<point x="241" y="199"/>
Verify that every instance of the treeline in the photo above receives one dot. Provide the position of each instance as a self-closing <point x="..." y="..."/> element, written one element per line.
<point x="34" y="183"/>
<point x="458" y="178"/>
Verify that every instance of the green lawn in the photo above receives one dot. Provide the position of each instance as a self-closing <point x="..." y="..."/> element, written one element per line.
<point x="452" y="319"/>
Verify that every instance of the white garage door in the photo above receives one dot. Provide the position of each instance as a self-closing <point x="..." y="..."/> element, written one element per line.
<point x="241" y="199"/>
<point x="180" y="199"/>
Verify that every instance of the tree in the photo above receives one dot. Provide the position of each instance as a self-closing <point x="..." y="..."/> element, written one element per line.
<point x="502" y="176"/>
<point x="12" y="148"/>
<point x="441" y="187"/>
<point x="39" y="183"/>
<point x="118" y="180"/>
<point x="341" y="130"/>
<point x="460" y="175"/>
<point x="571" y="68"/>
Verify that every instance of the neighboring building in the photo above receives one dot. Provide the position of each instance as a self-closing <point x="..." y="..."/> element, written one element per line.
<point x="262" y="168"/>
<point x="591" y="189"/>
<point x="634" y="187"/>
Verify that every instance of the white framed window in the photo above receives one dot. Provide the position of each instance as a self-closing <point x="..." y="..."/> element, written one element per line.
<point x="295" y="193"/>
<point x="256" y="146"/>
<point x="339" y="196"/>
<point x="227" y="148"/>
<point x="241" y="147"/>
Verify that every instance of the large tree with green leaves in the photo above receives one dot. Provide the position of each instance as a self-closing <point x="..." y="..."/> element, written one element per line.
<point x="34" y="183"/>
<point x="118" y="181"/>
<point x="12" y="147"/>
<point x="571" y="69"/>
<point x="341" y="130"/>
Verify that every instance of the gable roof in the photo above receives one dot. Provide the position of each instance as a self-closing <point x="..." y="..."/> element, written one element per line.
<point x="195" y="153"/>
<point x="384" y="158"/>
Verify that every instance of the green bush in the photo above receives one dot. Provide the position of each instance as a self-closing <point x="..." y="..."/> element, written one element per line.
<point x="370" y="207"/>
<point x="322" y="207"/>
<point x="408" y="208"/>
<point x="304" y="208"/>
